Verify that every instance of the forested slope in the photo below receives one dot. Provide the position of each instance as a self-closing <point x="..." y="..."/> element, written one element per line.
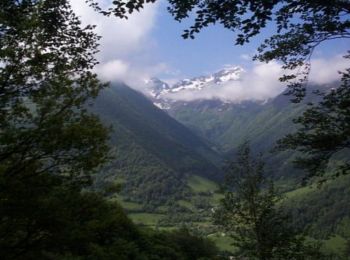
<point x="153" y="153"/>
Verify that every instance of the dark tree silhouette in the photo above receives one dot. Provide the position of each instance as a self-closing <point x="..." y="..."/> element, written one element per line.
<point x="45" y="84"/>
<point x="49" y="143"/>
<point x="250" y="214"/>
<point x="324" y="131"/>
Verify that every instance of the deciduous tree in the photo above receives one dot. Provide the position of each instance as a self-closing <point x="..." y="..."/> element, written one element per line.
<point x="250" y="214"/>
<point x="48" y="140"/>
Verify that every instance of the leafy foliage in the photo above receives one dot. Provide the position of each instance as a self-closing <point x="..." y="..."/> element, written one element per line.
<point x="50" y="145"/>
<point x="45" y="80"/>
<point x="57" y="221"/>
<point x="249" y="213"/>
<point x="43" y="218"/>
<point x="324" y="132"/>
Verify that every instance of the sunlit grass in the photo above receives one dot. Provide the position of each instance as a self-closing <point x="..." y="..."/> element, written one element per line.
<point x="200" y="184"/>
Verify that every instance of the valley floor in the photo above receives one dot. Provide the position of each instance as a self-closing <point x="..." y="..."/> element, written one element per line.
<point x="195" y="213"/>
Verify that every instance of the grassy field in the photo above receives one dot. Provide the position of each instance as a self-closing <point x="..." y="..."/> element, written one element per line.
<point x="223" y="242"/>
<point x="186" y="204"/>
<point x="334" y="244"/>
<point x="206" y="190"/>
<point x="147" y="219"/>
<point x="216" y="198"/>
<point x="130" y="206"/>
<point x="297" y="193"/>
<point x="200" y="184"/>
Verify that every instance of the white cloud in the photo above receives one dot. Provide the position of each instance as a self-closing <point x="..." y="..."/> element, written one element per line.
<point x="137" y="77"/>
<point x="261" y="82"/>
<point x="124" y="43"/>
<point x="325" y="71"/>
<point x="245" y="57"/>
<point x="120" y="37"/>
<point x="133" y="75"/>
<point x="127" y="54"/>
<point x="112" y="70"/>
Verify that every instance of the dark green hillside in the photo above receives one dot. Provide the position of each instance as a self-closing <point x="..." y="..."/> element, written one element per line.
<point x="215" y="121"/>
<point x="229" y="125"/>
<point x="153" y="152"/>
<point x="322" y="209"/>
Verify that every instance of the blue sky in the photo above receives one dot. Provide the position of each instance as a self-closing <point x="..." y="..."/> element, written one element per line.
<point x="150" y="44"/>
<point x="214" y="46"/>
<point x="209" y="51"/>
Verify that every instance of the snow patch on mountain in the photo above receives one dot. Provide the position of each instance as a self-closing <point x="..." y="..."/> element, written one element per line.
<point x="155" y="87"/>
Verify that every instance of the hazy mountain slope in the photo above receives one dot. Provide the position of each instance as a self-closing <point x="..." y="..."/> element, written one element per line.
<point x="229" y="125"/>
<point x="222" y="124"/>
<point x="227" y="121"/>
<point x="153" y="151"/>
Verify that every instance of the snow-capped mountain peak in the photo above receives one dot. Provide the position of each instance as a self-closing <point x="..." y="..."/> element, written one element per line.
<point x="228" y="74"/>
<point x="155" y="87"/>
<point x="199" y="83"/>
<point x="160" y="91"/>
